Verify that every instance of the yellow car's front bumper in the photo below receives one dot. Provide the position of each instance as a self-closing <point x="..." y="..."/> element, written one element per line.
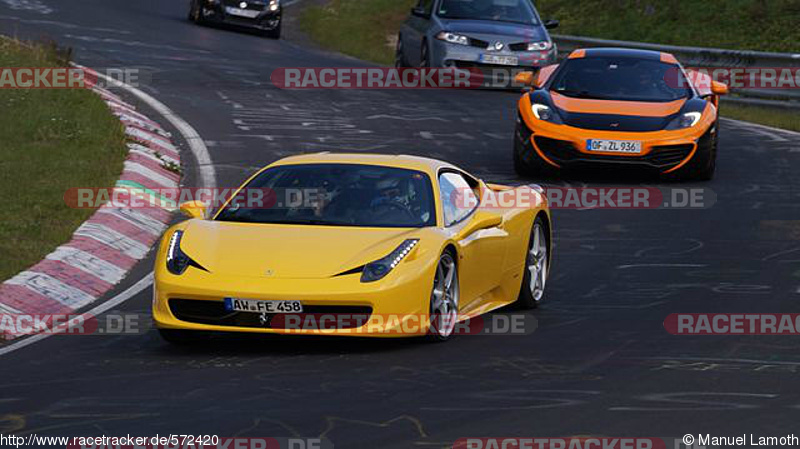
<point x="396" y="306"/>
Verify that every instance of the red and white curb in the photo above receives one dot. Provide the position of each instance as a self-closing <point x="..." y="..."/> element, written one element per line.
<point x="105" y="247"/>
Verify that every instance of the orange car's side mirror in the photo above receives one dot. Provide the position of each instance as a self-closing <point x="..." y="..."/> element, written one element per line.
<point x="526" y="79"/>
<point x="719" y="88"/>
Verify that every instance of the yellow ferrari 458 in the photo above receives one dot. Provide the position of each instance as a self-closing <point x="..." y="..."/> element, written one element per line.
<point x="353" y="245"/>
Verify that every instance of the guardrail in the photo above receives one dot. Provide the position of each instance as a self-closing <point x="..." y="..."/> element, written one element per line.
<point x="709" y="57"/>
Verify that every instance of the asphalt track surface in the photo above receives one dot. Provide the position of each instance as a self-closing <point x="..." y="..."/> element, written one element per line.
<point x="600" y="362"/>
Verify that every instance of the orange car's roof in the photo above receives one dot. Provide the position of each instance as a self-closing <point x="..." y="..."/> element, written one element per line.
<point x="611" y="52"/>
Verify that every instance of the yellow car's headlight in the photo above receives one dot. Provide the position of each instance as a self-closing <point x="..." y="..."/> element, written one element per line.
<point x="378" y="269"/>
<point x="177" y="260"/>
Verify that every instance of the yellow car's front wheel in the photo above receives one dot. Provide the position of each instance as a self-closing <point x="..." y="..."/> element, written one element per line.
<point x="536" y="268"/>
<point x="444" y="299"/>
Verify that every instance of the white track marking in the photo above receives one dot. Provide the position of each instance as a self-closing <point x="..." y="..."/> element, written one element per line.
<point x="151" y="154"/>
<point x="114" y="239"/>
<point x="150" y="137"/>
<point x="196" y="144"/>
<point x="138" y="219"/>
<point x="406" y="119"/>
<point x="149" y="174"/>
<point x="133" y="120"/>
<point x="662" y="265"/>
<point x="129" y="293"/>
<point x="29" y="5"/>
<point x="9" y="309"/>
<point x="88" y="263"/>
<point x="52" y="288"/>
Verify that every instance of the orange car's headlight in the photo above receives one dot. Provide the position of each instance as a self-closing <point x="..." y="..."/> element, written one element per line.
<point x="545" y="113"/>
<point x="684" y="121"/>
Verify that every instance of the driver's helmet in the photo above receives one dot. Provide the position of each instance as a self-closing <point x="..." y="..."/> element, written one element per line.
<point x="388" y="186"/>
<point x="388" y="190"/>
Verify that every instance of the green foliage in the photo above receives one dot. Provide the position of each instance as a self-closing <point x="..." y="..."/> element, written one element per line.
<point x="50" y="140"/>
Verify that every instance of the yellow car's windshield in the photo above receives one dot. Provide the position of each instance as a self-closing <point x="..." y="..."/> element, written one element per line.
<point x="335" y="195"/>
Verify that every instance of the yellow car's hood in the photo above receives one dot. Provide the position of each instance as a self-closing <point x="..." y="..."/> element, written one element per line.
<point x="286" y="251"/>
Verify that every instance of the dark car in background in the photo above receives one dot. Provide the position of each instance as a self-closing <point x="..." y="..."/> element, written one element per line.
<point x="482" y="34"/>
<point x="262" y="15"/>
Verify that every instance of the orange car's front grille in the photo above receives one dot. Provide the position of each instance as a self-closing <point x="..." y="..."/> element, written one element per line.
<point x="670" y="154"/>
<point x="559" y="149"/>
<point x="564" y="152"/>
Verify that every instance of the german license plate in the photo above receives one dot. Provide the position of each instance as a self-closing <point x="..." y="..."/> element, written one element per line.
<point x="258" y="306"/>
<point x="499" y="60"/>
<point x="614" y="146"/>
<point x="251" y="14"/>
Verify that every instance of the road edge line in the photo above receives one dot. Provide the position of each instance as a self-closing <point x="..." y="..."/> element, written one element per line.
<point x="196" y="144"/>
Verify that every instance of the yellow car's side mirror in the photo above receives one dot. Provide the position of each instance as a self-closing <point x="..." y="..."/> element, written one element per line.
<point x="480" y="220"/>
<point x="194" y="209"/>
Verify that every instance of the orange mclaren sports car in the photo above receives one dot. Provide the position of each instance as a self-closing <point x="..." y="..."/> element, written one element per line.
<point x="611" y="106"/>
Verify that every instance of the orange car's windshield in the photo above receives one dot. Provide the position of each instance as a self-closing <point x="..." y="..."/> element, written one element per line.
<point x="621" y="79"/>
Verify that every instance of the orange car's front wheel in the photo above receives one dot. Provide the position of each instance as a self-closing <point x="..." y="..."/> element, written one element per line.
<point x="703" y="164"/>
<point x="526" y="162"/>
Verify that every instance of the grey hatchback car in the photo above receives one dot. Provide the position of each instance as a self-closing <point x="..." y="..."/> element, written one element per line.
<point x="469" y="34"/>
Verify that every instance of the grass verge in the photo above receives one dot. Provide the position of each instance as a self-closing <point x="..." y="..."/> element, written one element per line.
<point x="777" y="118"/>
<point x="766" y="25"/>
<point x="365" y="28"/>
<point x="361" y="28"/>
<point x="50" y="140"/>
